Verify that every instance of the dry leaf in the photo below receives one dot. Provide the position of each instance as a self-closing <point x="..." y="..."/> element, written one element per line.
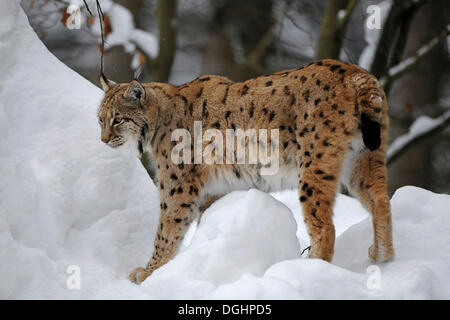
<point x="90" y="20"/>
<point x="107" y="29"/>
<point x="142" y="59"/>
<point x="65" y="16"/>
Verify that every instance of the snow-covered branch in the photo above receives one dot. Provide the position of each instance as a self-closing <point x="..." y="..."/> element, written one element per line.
<point x="421" y="128"/>
<point x="120" y="30"/>
<point x="407" y="64"/>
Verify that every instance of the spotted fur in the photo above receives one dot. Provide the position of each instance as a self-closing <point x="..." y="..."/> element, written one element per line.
<point x="333" y="122"/>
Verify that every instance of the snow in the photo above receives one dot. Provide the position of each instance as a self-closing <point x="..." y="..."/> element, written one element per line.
<point x="341" y="14"/>
<point x="145" y="41"/>
<point x="67" y="200"/>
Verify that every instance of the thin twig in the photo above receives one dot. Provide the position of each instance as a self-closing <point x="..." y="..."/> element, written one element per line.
<point x="307" y="248"/>
<point x="101" y="18"/>
<point x="87" y="7"/>
<point x="302" y="29"/>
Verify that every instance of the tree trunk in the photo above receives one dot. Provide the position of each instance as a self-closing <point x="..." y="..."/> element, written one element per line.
<point x="415" y="94"/>
<point x="332" y="29"/>
<point x="160" y="67"/>
<point x="393" y="38"/>
<point x="252" y="23"/>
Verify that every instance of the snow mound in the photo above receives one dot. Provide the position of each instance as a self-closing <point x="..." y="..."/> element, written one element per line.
<point x="242" y="233"/>
<point x="421" y="269"/>
<point x="67" y="200"/>
<point x="64" y="198"/>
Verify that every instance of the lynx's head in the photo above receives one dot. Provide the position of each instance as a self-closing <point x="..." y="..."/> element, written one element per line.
<point x="126" y="115"/>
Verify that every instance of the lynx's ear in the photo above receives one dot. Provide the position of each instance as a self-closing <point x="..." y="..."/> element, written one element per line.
<point x="106" y="84"/>
<point x="135" y="92"/>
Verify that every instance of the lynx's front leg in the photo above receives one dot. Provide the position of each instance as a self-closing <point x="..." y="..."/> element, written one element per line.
<point x="178" y="209"/>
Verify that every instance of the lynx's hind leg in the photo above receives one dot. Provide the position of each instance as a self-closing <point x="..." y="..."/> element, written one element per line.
<point x="320" y="171"/>
<point x="369" y="183"/>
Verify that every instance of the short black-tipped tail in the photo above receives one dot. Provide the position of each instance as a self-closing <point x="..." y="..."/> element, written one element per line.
<point x="371" y="104"/>
<point x="371" y="132"/>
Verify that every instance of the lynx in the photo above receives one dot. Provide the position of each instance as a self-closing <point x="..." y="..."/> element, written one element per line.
<point x="332" y="120"/>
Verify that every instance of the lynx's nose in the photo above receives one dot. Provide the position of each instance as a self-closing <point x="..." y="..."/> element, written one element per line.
<point x="107" y="133"/>
<point x="106" y="136"/>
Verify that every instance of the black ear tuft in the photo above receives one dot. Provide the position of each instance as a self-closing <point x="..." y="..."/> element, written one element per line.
<point x="106" y="84"/>
<point x="137" y="73"/>
<point x="371" y="132"/>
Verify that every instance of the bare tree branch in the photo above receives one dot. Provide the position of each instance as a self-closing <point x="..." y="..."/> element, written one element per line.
<point x="422" y="128"/>
<point x="407" y="64"/>
<point x="301" y="28"/>
<point x="259" y="51"/>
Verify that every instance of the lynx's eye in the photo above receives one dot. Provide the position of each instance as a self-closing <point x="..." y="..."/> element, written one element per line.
<point x="117" y="121"/>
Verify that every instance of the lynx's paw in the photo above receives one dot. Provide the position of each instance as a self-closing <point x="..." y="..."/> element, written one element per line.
<point x="138" y="275"/>
<point x="379" y="254"/>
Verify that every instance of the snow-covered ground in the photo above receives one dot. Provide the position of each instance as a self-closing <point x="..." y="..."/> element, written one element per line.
<point x="66" y="199"/>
